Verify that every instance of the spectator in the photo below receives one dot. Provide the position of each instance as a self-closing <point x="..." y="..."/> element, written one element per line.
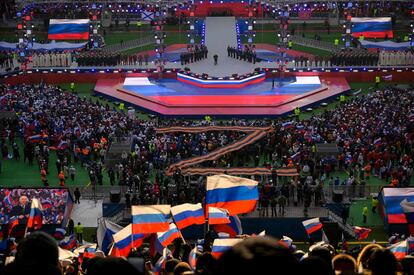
<point x="77" y="194"/>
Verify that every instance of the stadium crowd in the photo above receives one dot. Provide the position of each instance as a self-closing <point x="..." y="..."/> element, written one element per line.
<point x="253" y="254"/>
<point x="374" y="135"/>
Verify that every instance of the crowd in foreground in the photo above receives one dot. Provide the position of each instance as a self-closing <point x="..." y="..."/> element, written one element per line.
<point x="253" y="255"/>
<point x="374" y="135"/>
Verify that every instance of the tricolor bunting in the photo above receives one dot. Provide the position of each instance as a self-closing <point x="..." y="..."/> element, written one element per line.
<point x="36" y="216"/>
<point x="312" y="225"/>
<point x="167" y="237"/>
<point x="237" y="195"/>
<point x="187" y="214"/>
<point x="222" y="245"/>
<point x="68" y="29"/>
<point x="218" y="215"/>
<point x="124" y="241"/>
<point x="104" y="234"/>
<point x="233" y="228"/>
<point x="150" y="218"/>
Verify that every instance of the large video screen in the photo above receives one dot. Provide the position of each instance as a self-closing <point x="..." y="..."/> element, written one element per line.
<point x="16" y="202"/>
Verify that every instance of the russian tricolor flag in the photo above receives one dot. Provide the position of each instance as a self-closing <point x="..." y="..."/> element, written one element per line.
<point x="187" y="214"/>
<point x="372" y="27"/>
<point x="167" y="237"/>
<point x="68" y="29"/>
<point x="218" y="215"/>
<point x="361" y="233"/>
<point x="59" y="233"/>
<point x="124" y="241"/>
<point x="233" y="228"/>
<point x="408" y="209"/>
<point x="237" y="195"/>
<point x="222" y="245"/>
<point x="35" y="217"/>
<point x="400" y="250"/>
<point x="68" y="243"/>
<point x="150" y="218"/>
<point x="312" y="225"/>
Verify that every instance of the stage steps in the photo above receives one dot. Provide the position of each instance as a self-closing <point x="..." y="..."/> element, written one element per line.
<point x="220" y="33"/>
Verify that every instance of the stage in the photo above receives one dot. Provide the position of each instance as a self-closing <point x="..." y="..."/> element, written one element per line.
<point x="172" y="98"/>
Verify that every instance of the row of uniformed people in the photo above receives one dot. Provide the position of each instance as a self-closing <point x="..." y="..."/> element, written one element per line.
<point x="396" y="58"/>
<point x="349" y="58"/>
<point x="63" y="59"/>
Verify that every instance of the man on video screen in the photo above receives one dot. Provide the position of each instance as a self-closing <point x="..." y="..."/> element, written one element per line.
<point x="22" y="210"/>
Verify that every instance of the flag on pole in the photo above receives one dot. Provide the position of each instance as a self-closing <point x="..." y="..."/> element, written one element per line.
<point x="237" y="195"/>
<point x="222" y="245"/>
<point x="104" y="235"/>
<point x="150" y="218"/>
<point x="167" y="237"/>
<point x="218" y="215"/>
<point x="13" y="222"/>
<point x="400" y="250"/>
<point x="286" y="241"/>
<point x="361" y="233"/>
<point x="36" y="215"/>
<point x="124" y="241"/>
<point x="68" y="243"/>
<point x="192" y="258"/>
<point x="312" y="225"/>
<point x="233" y="228"/>
<point x="187" y="214"/>
<point x="160" y="264"/>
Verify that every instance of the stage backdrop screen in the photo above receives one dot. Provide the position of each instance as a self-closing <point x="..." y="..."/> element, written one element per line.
<point x="372" y="27"/>
<point x="17" y="201"/>
<point x="68" y="29"/>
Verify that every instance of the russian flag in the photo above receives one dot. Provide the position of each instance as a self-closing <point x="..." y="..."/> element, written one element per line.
<point x="187" y="214"/>
<point x="14" y="221"/>
<point x="38" y="138"/>
<point x="372" y="27"/>
<point x="68" y="29"/>
<point x="287" y="125"/>
<point x="408" y="209"/>
<point x="233" y="228"/>
<point x="68" y="243"/>
<point x="400" y="250"/>
<point x="361" y="233"/>
<point x="7" y="198"/>
<point x="35" y="217"/>
<point x="59" y="233"/>
<point x="222" y="245"/>
<point x="218" y="215"/>
<point x="104" y="234"/>
<point x="312" y="225"/>
<point x="192" y="258"/>
<point x="89" y="252"/>
<point x="377" y="141"/>
<point x="167" y="237"/>
<point x="160" y="264"/>
<point x="286" y="241"/>
<point x="124" y="241"/>
<point x="150" y="218"/>
<point x="237" y="195"/>
<point x="46" y="204"/>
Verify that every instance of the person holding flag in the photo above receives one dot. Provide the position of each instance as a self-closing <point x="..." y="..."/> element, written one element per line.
<point x="36" y="215"/>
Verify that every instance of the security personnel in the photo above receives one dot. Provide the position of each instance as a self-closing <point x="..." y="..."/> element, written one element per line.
<point x="121" y="106"/>
<point x="79" y="232"/>
<point x="297" y="113"/>
<point x="72" y="87"/>
<point x="377" y="81"/>
<point x="364" y="214"/>
<point x="374" y="203"/>
<point x="342" y="99"/>
<point x="336" y="42"/>
<point x="290" y="44"/>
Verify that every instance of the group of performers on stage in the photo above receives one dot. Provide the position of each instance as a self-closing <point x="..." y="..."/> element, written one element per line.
<point x="194" y="53"/>
<point x="248" y="53"/>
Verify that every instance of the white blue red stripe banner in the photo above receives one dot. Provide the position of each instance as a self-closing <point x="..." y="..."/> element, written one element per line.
<point x="237" y="195"/>
<point x="167" y="237"/>
<point x="187" y="214"/>
<point x="233" y="228"/>
<point x="218" y="215"/>
<point x="124" y="241"/>
<point x="400" y="250"/>
<point x="392" y="199"/>
<point x="312" y="225"/>
<point x="222" y="245"/>
<point x="150" y="218"/>
<point x="68" y="29"/>
<point x="36" y="216"/>
<point x="372" y="27"/>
